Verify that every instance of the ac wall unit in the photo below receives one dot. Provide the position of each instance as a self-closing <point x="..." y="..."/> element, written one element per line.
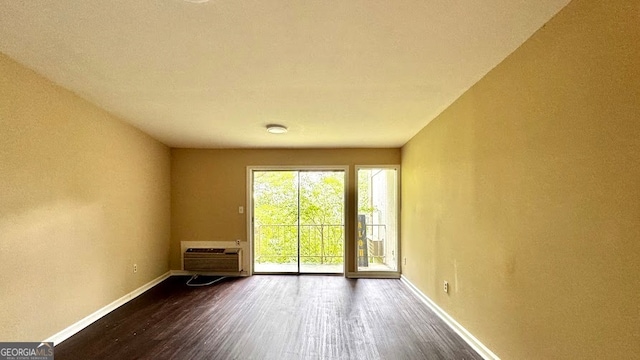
<point x="213" y="260"/>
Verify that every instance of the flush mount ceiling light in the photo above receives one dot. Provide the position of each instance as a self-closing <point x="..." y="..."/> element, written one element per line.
<point x="276" y="129"/>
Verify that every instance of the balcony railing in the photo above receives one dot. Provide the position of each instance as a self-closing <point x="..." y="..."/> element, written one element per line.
<point x="319" y="244"/>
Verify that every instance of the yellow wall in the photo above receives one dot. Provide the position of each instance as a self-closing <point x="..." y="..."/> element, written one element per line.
<point x="525" y="194"/>
<point x="82" y="197"/>
<point x="207" y="186"/>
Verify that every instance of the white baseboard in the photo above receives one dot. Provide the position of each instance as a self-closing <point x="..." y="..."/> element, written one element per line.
<point x="454" y="325"/>
<point x="76" y="327"/>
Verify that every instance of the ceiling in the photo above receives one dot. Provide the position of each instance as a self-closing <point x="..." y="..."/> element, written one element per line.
<point x="357" y="73"/>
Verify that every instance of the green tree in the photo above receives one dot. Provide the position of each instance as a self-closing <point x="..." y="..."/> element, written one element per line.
<point x="276" y="216"/>
<point x="321" y="216"/>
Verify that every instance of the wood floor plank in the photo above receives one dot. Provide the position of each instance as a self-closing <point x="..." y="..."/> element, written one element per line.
<point x="270" y="317"/>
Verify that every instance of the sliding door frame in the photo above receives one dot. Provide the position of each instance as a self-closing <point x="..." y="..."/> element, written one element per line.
<point x="250" y="217"/>
<point x="377" y="274"/>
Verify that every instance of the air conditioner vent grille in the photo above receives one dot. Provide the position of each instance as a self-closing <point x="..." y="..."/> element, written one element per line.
<point x="213" y="260"/>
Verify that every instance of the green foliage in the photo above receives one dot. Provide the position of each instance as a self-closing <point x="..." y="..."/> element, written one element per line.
<point x="321" y="216"/>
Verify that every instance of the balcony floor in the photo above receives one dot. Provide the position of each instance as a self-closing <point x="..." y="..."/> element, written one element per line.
<point x="293" y="268"/>
<point x="270" y="268"/>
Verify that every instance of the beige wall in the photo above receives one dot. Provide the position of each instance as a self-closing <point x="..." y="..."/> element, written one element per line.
<point x="525" y="194"/>
<point x="207" y="186"/>
<point x="82" y="197"/>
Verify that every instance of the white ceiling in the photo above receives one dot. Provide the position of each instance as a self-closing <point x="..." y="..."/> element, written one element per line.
<point x="340" y="73"/>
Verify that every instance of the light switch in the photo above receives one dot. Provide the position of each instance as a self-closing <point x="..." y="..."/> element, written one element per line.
<point x="240" y="209"/>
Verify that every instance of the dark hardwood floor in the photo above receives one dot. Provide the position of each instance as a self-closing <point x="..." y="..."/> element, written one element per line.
<point x="270" y="317"/>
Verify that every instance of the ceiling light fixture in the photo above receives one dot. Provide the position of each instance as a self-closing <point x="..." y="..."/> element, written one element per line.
<point x="276" y="129"/>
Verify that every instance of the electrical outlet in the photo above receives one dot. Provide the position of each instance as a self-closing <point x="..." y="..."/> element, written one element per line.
<point x="446" y="286"/>
<point x="135" y="268"/>
<point x="404" y="261"/>
<point x="238" y="242"/>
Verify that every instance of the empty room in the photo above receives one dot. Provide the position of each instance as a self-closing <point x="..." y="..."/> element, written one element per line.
<point x="279" y="179"/>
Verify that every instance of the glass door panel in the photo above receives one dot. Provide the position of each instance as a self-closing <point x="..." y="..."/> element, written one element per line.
<point x="377" y="222"/>
<point x="275" y="221"/>
<point x="321" y="221"/>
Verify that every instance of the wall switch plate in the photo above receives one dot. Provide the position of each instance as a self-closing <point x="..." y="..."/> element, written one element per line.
<point x="240" y="209"/>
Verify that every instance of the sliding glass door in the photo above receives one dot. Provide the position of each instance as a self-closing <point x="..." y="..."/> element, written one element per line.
<point x="298" y="221"/>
